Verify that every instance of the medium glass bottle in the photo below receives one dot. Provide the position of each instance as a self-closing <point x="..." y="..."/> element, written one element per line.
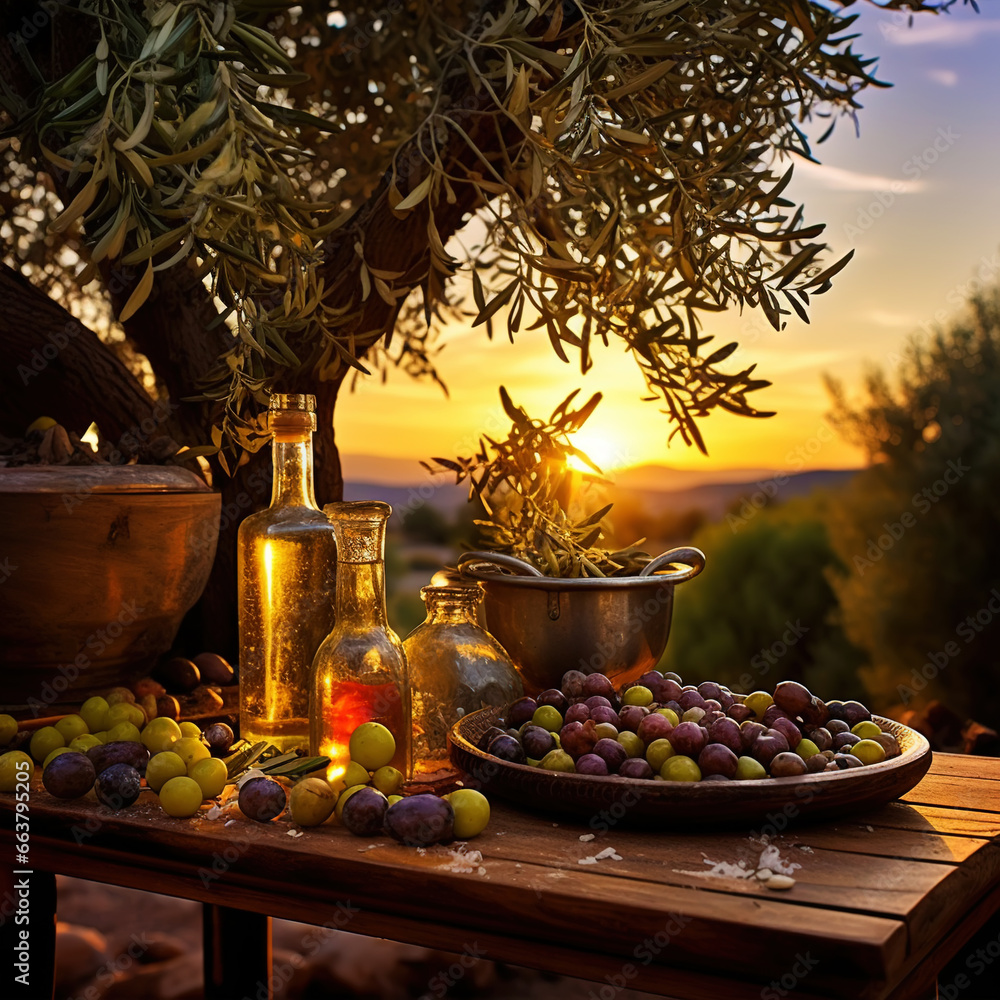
<point x="359" y="672"/>
<point x="286" y="564"/>
<point x="455" y="667"/>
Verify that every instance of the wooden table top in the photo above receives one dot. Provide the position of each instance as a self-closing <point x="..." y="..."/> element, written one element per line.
<point x="881" y="900"/>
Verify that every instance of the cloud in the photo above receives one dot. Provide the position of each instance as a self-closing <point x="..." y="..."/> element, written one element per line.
<point x="894" y="320"/>
<point x="839" y="179"/>
<point x="946" y="77"/>
<point x="939" y="30"/>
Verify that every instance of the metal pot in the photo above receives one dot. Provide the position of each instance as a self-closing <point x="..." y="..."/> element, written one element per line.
<point x="616" y="626"/>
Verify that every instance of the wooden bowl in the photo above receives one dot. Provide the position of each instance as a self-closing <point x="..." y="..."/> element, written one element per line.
<point x="102" y="562"/>
<point x="606" y="801"/>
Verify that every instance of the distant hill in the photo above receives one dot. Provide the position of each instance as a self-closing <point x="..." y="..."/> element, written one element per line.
<point x="716" y="498"/>
<point x="666" y="479"/>
<point x="660" y="487"/>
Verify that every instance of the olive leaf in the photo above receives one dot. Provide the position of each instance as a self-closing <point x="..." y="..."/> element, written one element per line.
<point x="525" y="484"/>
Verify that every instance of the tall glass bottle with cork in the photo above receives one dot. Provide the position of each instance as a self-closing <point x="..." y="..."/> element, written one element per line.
<point x="286" y="559"/>
<point x="359" y="673"/>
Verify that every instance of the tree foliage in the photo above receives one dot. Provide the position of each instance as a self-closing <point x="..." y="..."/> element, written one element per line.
<point x="764" y="609"/>
<point x="918" y="529"/>
<point x="625" y="163"/>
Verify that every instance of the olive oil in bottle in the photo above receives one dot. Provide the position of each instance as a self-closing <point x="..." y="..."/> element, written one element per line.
<point x="286" y="565"/>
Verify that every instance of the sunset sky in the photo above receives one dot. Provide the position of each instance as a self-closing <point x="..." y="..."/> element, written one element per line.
<point x="937" y="236"/>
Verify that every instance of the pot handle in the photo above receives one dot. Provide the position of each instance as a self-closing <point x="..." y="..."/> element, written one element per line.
<point x="477" y="561"/>
<point x="692" y="559"/>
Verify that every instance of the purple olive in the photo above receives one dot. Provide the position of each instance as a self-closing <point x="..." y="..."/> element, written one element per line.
<point x="119" y="752"/>
<point x="749" y="731"/>
<point x="219" y="738"/>
<point x="577" y="713"/>
<point x="847" y="760"/>
<point x="600" y="685"/>
<point x="787" y="765"/>
<point x="739" y="712"/>
<point x="419" y="820"/>
<point x="364" y="812"/>
<point x="667" y="690"/>
<point x="555" y="698"/>
<point x="822" y="737"/>
<point x="789" y="730"/>
<point x="612" y="753"/>
<point x="609" y="715"/>
<point x="484" y="741"/>
<point x="718" y="759"/>
<point x="792" y="697"/>
<point x="709" y="690"/>
<point x="117" y="786"/>
<point x="590" y="763"/>
<point x="521" y="712"/>
<point x="654" y="727"/>
<point x="631" y="716"/>
<point x="69" y="775"/>
<point x="688" y="739"/>
<point x="262" y="799"/>
<point x="572" y="682"/>
<point x="774" y="712"/>
<point x="854" y="712"/>
<point x="767" y="746"/>
<point x="636" y="767"/>
<point x="537" y="742"/>
<point x="726" y="732"/>
<point x="507" y="748"/>
<point x="691" y="698"/>
<point x="842" y="740"/>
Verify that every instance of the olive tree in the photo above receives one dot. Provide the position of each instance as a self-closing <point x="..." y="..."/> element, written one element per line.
<point x="262" y="195"/>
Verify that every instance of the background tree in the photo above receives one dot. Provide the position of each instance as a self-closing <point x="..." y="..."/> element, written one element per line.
<point x="263" y="193"/>
<point x="918" y="529"/>
<point x="764" y="608"/>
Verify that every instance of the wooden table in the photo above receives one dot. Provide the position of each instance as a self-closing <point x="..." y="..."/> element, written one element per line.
<point x="881" y="901"/>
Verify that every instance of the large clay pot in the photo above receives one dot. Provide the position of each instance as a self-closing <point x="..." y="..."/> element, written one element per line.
<point x="98" y="565"/>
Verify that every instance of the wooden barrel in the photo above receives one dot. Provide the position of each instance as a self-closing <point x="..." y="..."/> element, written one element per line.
<point x="98" y="565"/>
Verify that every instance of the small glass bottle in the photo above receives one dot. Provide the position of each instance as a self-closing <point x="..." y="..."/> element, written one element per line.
<point x="456" y="667"/>
<point x="286" y="562"/>
<point x="359" y="672"/>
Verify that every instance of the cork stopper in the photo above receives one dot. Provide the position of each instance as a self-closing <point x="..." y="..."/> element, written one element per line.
<point x="290" y="415"/>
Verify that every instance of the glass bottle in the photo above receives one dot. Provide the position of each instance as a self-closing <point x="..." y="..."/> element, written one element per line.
<point x="286" y="564"/>
<point x="456" y="667"/>
<point x="359" y="672"/>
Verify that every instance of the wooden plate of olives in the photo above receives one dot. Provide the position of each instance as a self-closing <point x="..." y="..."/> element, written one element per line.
<point x="692" y="766"/>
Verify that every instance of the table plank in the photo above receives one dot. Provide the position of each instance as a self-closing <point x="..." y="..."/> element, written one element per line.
<point x="933" y="819"/>
<point x="965" y="766"/>
<point x="884" y="841"/>
<point x="944" y="790"/>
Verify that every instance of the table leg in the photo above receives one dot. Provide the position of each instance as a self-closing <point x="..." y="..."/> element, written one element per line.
<point x="237" y="956"/>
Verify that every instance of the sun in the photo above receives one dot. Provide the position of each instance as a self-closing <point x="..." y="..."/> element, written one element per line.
<point x="605" y="451"/>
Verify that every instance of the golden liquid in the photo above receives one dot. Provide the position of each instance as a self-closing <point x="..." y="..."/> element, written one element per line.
<point x="287" y="568"/>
